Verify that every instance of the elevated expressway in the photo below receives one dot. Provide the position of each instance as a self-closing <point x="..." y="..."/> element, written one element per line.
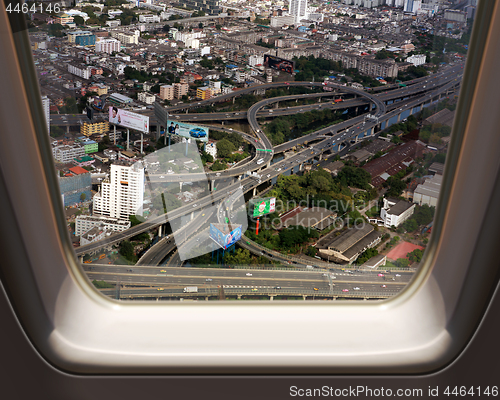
<point x="340" y="133"/>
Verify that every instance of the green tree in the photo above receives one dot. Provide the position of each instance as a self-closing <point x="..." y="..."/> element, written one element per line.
<point x="83" y="196"/>
<point x="78" y="20"/>
<point x="402" y="262"/>
<point x="127" y="250"/>
<point x="224" y="148"/>
<point x="218" y="166"/>
<point x="416" y="255"/>
<point x="133" y="220"/>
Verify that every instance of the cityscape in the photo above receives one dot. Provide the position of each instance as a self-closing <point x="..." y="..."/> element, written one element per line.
<point x="250" y="150"/>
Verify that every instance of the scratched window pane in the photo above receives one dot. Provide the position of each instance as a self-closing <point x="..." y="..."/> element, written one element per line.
<point x="297" y="155"/>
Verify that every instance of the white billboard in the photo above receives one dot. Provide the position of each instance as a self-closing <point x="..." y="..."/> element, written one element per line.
<point x="128" y="119"/>
<point x="187" y="130"/>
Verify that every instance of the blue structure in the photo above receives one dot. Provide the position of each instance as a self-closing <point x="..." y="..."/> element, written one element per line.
<point x="72" y="187"/>
<point x="85" y="40"/>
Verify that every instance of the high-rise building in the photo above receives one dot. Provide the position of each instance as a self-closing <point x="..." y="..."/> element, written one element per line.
<point x="46" y="111"/>
<point x="413" y="6"/>
<point x="210" y="7"/>
<point x="180" y="89"/>
<point x="298" y="8"/>
<point x="167" y="92"/>
<point x="107" y="46"/>
<point x="122" y="194"/>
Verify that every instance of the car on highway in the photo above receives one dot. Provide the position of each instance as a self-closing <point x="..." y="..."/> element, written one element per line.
<point x="345" y="290"/>
<point x="248" y="274"/>
<point x="398" y="275"/>
<point x="380" y="274"/>
<point x="161" y="177"/>
<point x="355" y="288"/>
<point x="163" y="270"/>
<point x="160" y="289"/>
<point x="254" y="289"/>
<point x="208" y="280"/>
<point x="197" y="132"/>
<point x="194" y="205"/>
<point x="383" y="286"/>
<point x="315" y="288"/>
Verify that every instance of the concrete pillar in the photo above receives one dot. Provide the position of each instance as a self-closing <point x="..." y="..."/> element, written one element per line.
<point x="159" y="230"/>
<point x="304" y="297"/>
<point x="128" y="139"/>
<point x="320" y="156"/>
<point x="206" y="298"/>
<point x="254" y="192"/>
<point x="301" y="166"/>
<point x="239" y="297"/>
<point x="271" y="298"/>
<point x="81" y="259"/>
<point x="180" y="186"/>
<point x="142" y="143"/>
<point x="399" y="117"/>
<point x="158" y="129"/>
<point x="67" y="128"/>
<point x="276" y="104"/>
<point x="192" y="215"/>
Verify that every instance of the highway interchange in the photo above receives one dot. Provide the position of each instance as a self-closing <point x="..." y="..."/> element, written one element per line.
<point x="385" y="106"/>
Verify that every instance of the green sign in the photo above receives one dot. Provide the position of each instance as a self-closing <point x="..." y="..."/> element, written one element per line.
<point x="269" y="150"/>
<point x="263" y="206"/>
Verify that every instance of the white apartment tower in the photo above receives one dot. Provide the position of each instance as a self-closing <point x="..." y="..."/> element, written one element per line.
<point x="122" y="194"/>
<point x="46" y="111"/>
<point x="298" y="8"/>
<point x="107" y="46"/>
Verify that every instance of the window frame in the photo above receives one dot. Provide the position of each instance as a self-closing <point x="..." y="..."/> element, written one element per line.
<point x="77" y="330"/>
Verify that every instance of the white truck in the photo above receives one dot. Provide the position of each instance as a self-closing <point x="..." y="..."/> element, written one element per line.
<point x="190" y="289"/>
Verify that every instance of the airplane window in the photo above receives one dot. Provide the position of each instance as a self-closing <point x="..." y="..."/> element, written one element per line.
<point x="283" y="178"/>
<point x="298" y="172"/>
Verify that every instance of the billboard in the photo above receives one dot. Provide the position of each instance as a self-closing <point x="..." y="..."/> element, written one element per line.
<point x="187" y="130"/>
<point x="221" y="235"/>
<point x="279" y="63"/>
<point x="263" y="206"/>
<point x="128" y="119"/>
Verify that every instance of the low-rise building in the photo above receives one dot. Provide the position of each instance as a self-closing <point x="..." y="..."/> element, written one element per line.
<point x="82" y="38"/>
<point x="428" y="192"/>
<point x="146" y="97"/>
<point x="67" y="153"/>
<point x="84" y="223"/>
<point x="93" y="235"/>
<point x="211" y="148"/>
<point x="395" y="212"/>
<point x="203" y="93"/>
<point x="80" y="70"/>
<point x="346" y="247"/>
<point x="91" y="128"/>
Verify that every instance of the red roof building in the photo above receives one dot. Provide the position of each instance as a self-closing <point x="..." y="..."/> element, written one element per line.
<point x="78" y="170"/>
<point x="393" y="162"/>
